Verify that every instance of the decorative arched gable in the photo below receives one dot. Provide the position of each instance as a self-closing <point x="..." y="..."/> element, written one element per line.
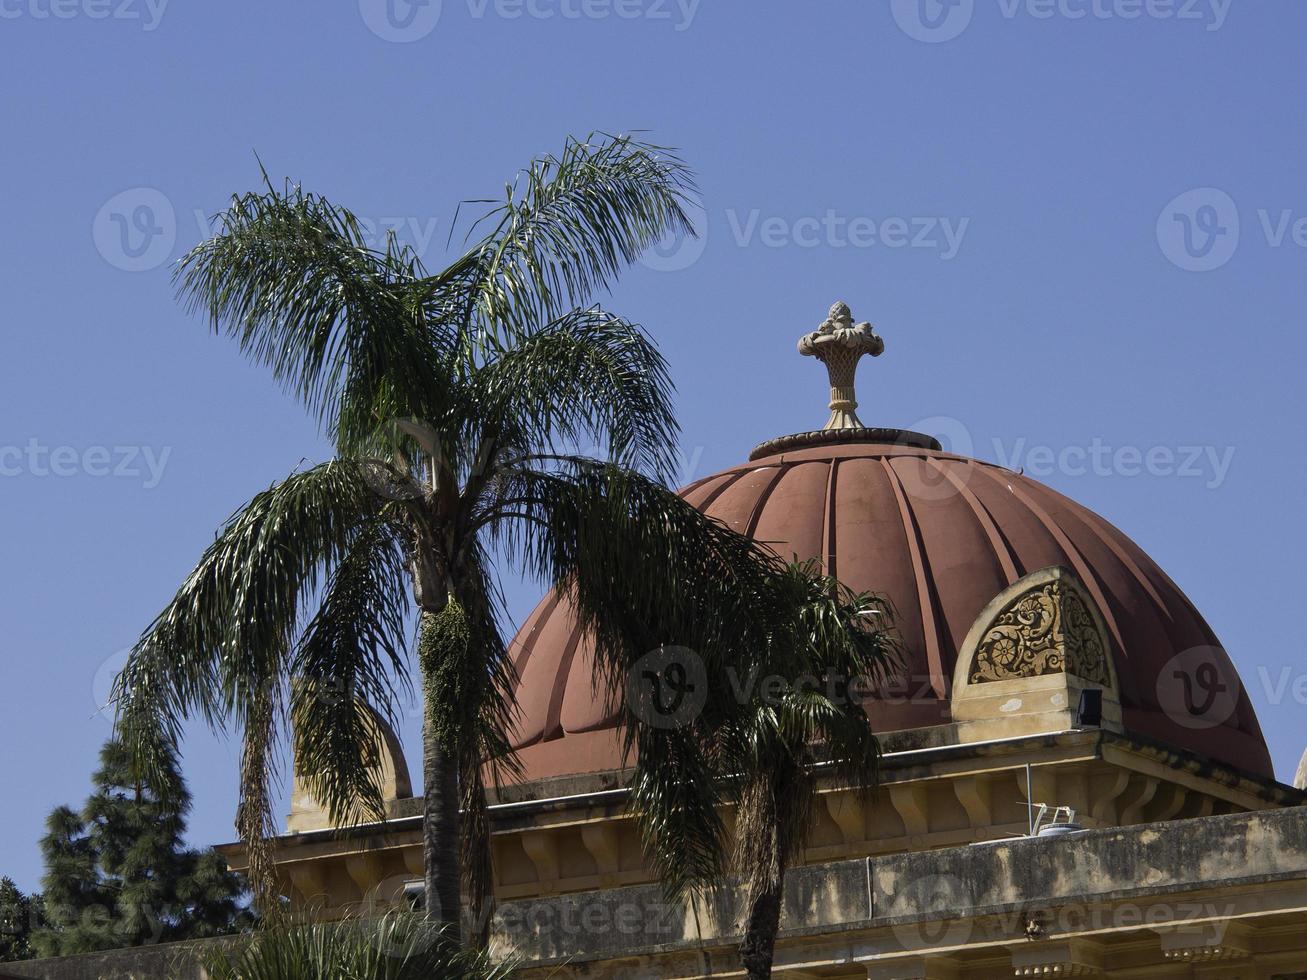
<point x="1045" y="623"/>
<point x="1028" y="655"/>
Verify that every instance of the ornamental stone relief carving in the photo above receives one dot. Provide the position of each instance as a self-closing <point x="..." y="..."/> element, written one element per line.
<point x="1047" y="629"/>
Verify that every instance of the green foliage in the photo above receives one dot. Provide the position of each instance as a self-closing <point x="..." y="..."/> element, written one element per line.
<point x="829" y="647"/>
<point x="20" y="916"/>
<point x="398" y="946"/>
<point x="444" y="642"/>
<point x="837" y="646"/>
<point x="456" y="402"/>
<point x="436" y="388"/>
<point x="351" y="656"/>
<point x="117" y="873"/>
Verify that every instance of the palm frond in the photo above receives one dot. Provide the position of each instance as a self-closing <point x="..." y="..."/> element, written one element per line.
<point x="646" y="571"/>
<point x="290" y="276"/>
<point x="831" y="644"/>
<point x="221" y="646"/>
<point x="676" y="795"/>
<point x="563" y="232"/>
<point x="396" y="946"/>
<point x="589" y="375"/>
<point x="344" y="668"/>
<point x="230" y="625"/>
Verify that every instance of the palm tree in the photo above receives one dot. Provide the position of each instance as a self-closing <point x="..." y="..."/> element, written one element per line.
<point x="830" y="648"/>
<point x="453" y="400"/>
<point x="394" y="947"/>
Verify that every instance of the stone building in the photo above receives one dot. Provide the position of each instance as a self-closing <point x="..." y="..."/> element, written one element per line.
<point x="1049" y="663"/>
<point x="1075" y="783"/>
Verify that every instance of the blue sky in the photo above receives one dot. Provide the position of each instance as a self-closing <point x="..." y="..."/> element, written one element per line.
<point x="1079" y="226"/>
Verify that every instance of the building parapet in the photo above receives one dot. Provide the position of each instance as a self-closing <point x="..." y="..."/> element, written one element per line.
<point x="1139" y="901"/>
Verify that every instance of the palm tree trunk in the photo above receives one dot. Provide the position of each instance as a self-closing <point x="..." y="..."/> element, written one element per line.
<point x="440" y="828"/>
<point x="759" y="943"/>
<point x="254" y="821"/>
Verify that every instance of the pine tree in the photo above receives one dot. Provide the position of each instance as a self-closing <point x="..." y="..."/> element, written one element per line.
<point x="118" y="874"/>
<point x="20" y="915"/>
<point x="75" y="894"/>
<point x="209" y="896"/>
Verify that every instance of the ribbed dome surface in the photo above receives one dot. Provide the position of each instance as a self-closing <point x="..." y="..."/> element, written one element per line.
<point x="940" y="536"/>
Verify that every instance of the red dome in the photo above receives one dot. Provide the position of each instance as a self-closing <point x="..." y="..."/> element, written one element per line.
<point x="940" y="536"/>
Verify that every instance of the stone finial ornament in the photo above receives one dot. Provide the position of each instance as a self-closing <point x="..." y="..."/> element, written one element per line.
<point x="839" y="343"/>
